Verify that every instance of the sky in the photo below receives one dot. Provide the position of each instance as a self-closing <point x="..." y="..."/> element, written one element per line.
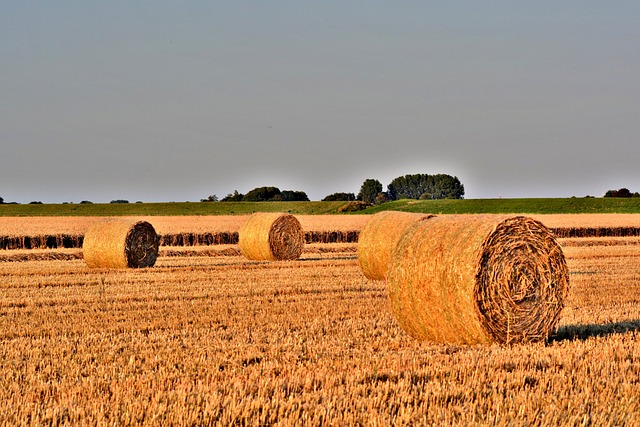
<point x="176" y="101"/>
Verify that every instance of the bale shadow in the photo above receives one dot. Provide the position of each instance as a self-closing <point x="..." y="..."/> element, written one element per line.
<point x="584" y="332"/>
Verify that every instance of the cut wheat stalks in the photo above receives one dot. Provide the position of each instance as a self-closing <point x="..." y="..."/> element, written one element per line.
<point x="379" y="237"/>
<point x="271" y="237"/>
<point x="478" y="279"/>
<point x="120" y="244"/>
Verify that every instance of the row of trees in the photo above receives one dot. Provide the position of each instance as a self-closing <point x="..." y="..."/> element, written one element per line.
<point x="623" y="192"/>
<point x="416" y="186"/>
<point x="262" y="194"/>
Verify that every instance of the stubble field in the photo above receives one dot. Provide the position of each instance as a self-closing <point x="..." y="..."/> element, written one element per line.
<point x="207" y="337"/>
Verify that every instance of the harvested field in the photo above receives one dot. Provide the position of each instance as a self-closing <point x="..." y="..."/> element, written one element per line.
<point x="211" y="338"/>
<point x="68" y="232"/>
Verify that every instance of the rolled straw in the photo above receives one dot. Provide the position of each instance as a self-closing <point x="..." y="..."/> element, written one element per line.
<point x="379" y="237"/>
<point x="120" y="244"/>
<point x="271" y="237"/>
<point x="478" y="279"/>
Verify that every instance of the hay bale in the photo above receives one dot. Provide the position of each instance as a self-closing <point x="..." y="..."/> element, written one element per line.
<point x="271" y="237"/>
<point x="120" y="244"/>
<point x="379" y="237"/>
<point x="478" y="279"/>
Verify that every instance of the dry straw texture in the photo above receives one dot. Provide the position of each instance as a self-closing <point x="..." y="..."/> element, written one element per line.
<point x="271" y="237"/>
<point x="120" y="244"/>
<point x="478" y="279"/>
<point x="379" y="236"/>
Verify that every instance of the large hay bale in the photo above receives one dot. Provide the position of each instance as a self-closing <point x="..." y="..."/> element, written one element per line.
<point x="478" y="279"/>
<point x="379" y="237"/>
<point x="271" y="237"/>
<point x="120" y="244"/>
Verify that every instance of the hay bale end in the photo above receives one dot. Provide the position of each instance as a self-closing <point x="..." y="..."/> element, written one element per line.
<point x="120" y="244"/>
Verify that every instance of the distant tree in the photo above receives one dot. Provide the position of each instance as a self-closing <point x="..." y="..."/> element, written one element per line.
<point x="381" y="198"/>
<point x="424" y="186"/>
<point x="1" y="200"/>
<point x="623" y="192"/>
<point x="369" y="190"/>
<point x="86" y="202"/>
<point x="235" y="197"/>
<point x="263" y="194"/>
<point x="119" y="201"/>
<point x="340" y="197"/>
<point x="35" y="202"/>
<point x="294" y="196"/>
<point x="212" y="198"/>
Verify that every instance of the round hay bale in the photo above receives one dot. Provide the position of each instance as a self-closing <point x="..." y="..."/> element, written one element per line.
<point x="120" y="244"/>
<point x="379" y="237"/>
<point x="478" y="279"/>
<point x="271" y="237"/>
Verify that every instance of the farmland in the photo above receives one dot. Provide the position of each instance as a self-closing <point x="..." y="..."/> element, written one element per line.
<point x="208" y="337"/>
<point x="573" y="205"/>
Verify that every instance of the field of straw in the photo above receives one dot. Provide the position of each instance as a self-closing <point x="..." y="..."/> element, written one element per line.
<point x="208" y="337"/>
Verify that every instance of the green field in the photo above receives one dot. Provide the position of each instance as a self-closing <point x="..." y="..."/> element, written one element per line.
<point x="170" y="209"/>
<point x="516" y="206"/>
<point x="519" y="206"/>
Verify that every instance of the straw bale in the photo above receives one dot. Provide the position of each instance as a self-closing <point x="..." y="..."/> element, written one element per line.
<point x="379" y="237"/>
<point x="269" y="236"/>
<point x="478" y="279"/>
<point x="120" y="244"/>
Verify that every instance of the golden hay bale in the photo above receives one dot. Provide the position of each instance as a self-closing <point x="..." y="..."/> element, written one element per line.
<point x="120" y="244"/>
<point x="478" y="279"/>
<point x="379" y="237"/>
<point x="271" y="237"/>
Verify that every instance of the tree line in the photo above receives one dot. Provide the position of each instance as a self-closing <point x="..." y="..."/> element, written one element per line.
<point x="417" y="186"/>
<point x="262" y="194"/>
<point x="623" y="192"/>
<point x="412" y="186"/>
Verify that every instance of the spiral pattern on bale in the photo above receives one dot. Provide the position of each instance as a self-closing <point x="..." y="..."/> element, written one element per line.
<point x="121" y="244"/>
<point x="478" y="279"/>
<point x="379" y="237"/>
<point x="269" y="236"/>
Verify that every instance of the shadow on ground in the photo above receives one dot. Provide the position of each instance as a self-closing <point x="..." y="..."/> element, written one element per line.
<point x="583" y="332"/>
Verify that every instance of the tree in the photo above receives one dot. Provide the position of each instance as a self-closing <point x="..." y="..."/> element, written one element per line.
<point x="212" y="198"/>
<point x="424" y="186"/>
<point x="294" y="196"/>
<point x="381" y="198"/>
<point x="623" y="192"/>
<point x="369" y="190"/>
<point x="119" y="201"/>
<point x="235" y="197"/>
<point x="273" y="194"/>
<point x="340" y="197"/>
<point x="263" y="194"/>
<point x="1" y="200"/>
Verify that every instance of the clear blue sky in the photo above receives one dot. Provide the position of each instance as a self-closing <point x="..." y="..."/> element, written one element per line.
<point x="174" y="101"/>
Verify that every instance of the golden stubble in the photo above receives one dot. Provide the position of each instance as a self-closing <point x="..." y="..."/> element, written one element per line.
<point x="206" y="338"/>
